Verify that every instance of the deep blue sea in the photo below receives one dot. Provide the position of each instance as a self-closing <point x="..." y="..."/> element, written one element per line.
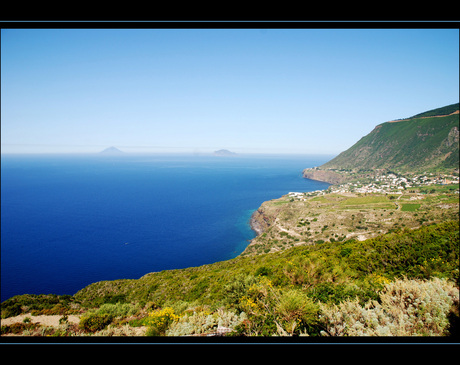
<point x="70" y="220"/>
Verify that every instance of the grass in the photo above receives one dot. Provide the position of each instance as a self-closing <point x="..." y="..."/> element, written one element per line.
<point x="281" y="202"/>
<point x="364" y="200"/>
<point x="370" y="206"/>
<point x="410" y="207"/>
<point x="367" y="202"/>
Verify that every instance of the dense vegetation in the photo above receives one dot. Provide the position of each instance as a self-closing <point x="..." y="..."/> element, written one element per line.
<point x="293" y="292"/>
<point x="445" y="110"/>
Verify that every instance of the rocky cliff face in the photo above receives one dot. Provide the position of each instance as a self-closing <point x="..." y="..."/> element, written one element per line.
<point x="330" y="177"/>
<point x="260" y="221"/>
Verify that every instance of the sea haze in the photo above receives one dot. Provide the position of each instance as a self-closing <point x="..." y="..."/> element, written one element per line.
<point x="68" y="221"/>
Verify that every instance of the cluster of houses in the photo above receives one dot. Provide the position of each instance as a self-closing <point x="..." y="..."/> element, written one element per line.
<point x="391" y="183"/>
<point x="303" y="196"/>
<point x="384" y="183"/>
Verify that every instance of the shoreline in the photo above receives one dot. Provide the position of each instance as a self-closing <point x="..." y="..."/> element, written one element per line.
<point x="327" y="176"/>
<point x="255" y="225"/>
<point x="259" y="224"/>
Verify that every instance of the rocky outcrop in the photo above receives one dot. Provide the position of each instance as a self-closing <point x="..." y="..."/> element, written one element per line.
<point x="452" y="137"/>
<point x="260" y="221"/>
<point x="328" y="176"/>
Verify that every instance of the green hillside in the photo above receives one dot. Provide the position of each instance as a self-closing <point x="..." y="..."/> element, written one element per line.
<point x="446" y="110"/>
<point x="426" y="142"/>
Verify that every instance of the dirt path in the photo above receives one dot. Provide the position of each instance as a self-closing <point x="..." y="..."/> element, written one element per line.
<point x="281" y="228"/>
<point x="433" y="116"/>
<point x="398" y="207"/>
<point x="42" y="319"/>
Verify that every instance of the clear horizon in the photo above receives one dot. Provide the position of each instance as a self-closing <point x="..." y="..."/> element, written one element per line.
<point x="251" y="91"/>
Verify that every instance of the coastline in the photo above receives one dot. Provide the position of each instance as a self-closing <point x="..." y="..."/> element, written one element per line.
<point x="261" y="219"/>
<point x="259" y="223"/>
<point x="255" y="225"/>
<point x="326" y="176"/>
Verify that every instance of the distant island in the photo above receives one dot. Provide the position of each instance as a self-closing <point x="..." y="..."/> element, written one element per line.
<point x="111" y="151"/>
<point x="224" y="153"/>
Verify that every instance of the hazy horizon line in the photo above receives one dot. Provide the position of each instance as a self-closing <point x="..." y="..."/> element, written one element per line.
<point x="99" y="153"/>
<point x="129" y="149"/>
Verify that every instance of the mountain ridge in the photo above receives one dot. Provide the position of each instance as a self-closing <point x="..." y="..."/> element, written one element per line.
<point x="428" y="141"/>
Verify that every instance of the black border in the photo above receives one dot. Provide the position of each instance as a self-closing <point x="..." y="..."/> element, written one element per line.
<point x="325" y="345"/>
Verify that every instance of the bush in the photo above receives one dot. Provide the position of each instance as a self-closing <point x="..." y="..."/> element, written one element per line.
<point x="92" y="322"/>
<point x="159" y="320"/>
<point x="11" y="310"/>
<point x="117" y="310"/>
<point x="263" y="271"/>
<point x="294" y="309"/>
<point x="237" y="288"/>
<point x="199" y="322"/>
<point x="38" y="304"/>
<point x="96" y="320"/>
<point x="271" y="310"/>
<point x="406" y="308"/>
<point x="18" y="328"/>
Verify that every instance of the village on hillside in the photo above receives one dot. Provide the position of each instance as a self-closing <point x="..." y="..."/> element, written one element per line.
<point x="385" y="183"/>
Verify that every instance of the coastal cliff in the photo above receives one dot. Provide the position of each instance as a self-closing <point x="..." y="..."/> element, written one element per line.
<point x="341" y="214"/>
<point x="260" y="221"/>
<point x="330" y="177"/>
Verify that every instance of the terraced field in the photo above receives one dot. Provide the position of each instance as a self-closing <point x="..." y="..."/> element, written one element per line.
<point x="341" y="216"/>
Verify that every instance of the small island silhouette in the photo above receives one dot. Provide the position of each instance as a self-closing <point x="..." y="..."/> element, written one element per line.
<point x="111" y="151"/>
<point x="224" y="153"/>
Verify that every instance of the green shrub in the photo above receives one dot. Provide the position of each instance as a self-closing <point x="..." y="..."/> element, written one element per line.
<point x="38" y="304"/>
<point x="117" y="310"/>
<point x="271" y="310"/>
<point x="92" y="322"/>
<point x="11" y="310"/>
<point x="406" y="308"/>
<point x="263" y="271"/>
<point x="18" y="328"/>
<point x="328" y="292"/>
<point x="159" y="320"/>
<point x="296" y="310"/>
<point x="201" y="321"/>
<point x="237" y="288"/>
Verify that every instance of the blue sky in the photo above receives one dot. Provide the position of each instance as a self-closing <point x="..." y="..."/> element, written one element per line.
<point x="312" y="91"/>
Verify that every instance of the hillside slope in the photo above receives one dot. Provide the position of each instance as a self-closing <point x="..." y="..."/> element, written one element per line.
<point x="420" y="143"/>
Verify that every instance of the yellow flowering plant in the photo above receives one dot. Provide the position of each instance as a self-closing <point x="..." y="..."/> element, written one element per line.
<point x="159" y="320"/>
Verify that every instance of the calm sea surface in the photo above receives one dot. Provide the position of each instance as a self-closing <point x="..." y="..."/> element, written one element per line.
<point x="68" y="221"/>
